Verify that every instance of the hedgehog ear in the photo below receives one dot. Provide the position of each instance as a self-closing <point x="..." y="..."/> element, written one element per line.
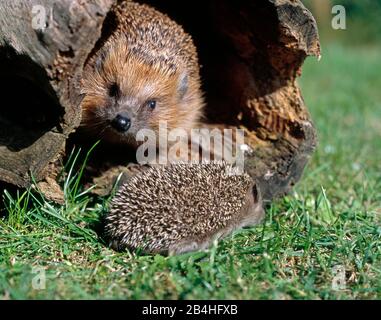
<point x="183" y="85"/>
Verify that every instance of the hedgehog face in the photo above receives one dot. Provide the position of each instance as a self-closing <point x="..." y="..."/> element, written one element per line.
<point x="124" y="96"/>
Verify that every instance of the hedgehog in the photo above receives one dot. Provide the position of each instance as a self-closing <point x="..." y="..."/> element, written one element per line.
<point x="181" y="207"/>
<point x="146" y="72"/>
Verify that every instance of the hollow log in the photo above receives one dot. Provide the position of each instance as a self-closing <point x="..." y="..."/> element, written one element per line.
<point x="43" y="47"/>
<point x="251" y="54"/>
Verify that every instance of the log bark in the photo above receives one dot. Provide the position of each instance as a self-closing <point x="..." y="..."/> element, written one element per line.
<point x="40" y="71"/>
<point x="251" y="54"/>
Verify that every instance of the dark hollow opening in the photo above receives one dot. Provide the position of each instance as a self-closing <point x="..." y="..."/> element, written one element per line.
<point x="231" y="38"/>
<point x="29" y="106"/>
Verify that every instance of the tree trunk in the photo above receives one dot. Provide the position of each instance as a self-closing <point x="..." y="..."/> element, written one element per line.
<point x="251" y="52"/>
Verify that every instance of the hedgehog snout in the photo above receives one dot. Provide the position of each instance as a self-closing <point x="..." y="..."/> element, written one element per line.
<point x="121" y="122"/>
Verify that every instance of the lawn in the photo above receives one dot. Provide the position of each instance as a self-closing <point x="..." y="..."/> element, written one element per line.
<point x="332" y="220"/>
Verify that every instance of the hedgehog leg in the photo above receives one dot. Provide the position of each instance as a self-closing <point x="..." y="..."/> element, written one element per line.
<point x="191" y="244"/>
<point x="184" y="246"/>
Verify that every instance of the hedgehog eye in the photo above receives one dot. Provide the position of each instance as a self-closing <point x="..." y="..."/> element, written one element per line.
<point x="151" y="104"/>
<point x="114" y="90"/>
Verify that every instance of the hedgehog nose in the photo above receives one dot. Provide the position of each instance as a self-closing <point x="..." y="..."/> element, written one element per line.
<point x="121" y="123"/>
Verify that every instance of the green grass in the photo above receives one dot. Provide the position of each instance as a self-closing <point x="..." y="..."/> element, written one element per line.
<point x="332" y="219"/>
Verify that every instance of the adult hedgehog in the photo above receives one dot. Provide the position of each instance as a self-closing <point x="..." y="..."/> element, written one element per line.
<point x="145" y="73"/>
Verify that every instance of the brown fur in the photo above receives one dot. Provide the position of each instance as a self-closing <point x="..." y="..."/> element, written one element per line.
<point x="148" y="56"/>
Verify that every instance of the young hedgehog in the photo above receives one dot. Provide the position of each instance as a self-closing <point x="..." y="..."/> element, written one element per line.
<point x="146" y="72"/>
<point x="182" y="208"/>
